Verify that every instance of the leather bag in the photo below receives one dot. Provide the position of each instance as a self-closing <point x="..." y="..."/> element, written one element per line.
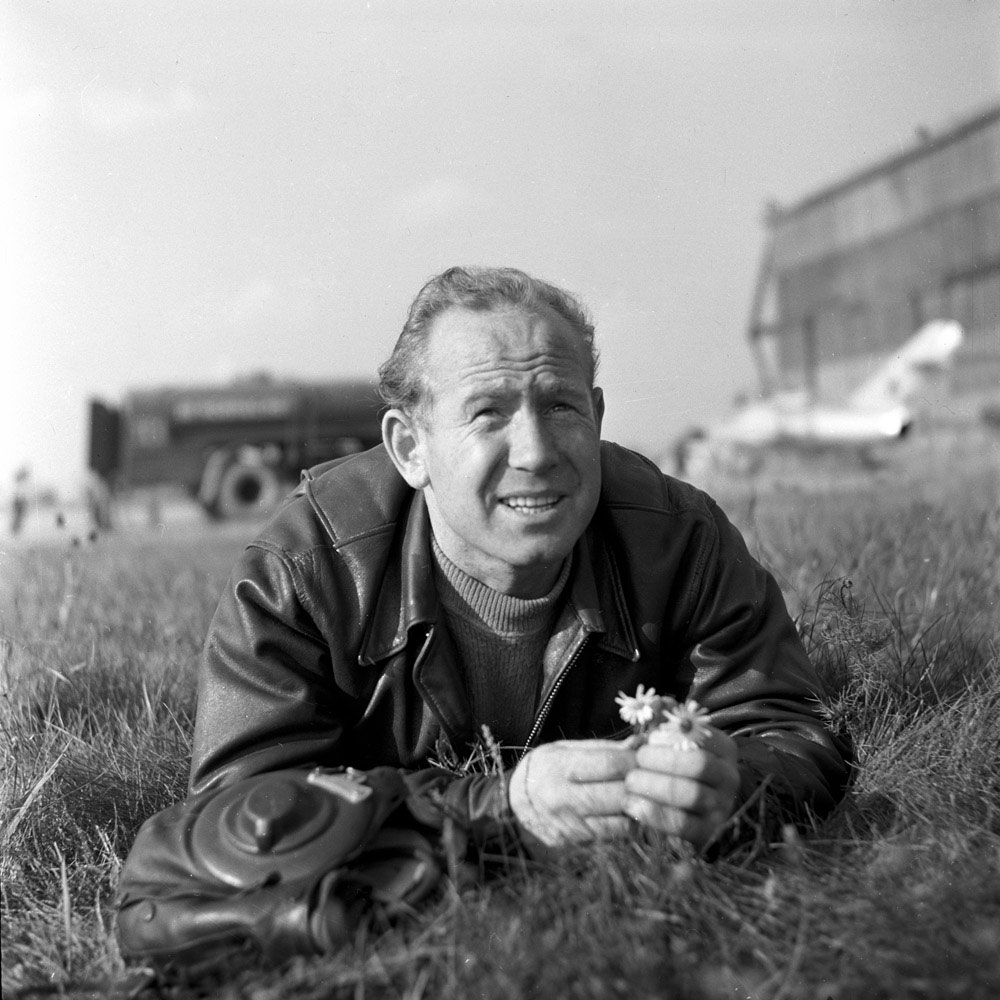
<point x="279" y="864"/>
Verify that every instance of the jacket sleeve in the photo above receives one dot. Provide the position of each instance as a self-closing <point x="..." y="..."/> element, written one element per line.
<point x="267" y="700"/>
<point x="752" y="672"/>
<point x="264" y="692"/>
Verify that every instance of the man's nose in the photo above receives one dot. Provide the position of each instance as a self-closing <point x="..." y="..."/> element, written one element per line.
<point x="530" y="443"/>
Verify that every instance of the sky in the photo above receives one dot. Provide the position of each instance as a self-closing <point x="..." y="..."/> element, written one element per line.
<point x="193" y="191"/>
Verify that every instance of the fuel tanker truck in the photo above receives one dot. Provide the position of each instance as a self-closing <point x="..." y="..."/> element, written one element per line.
<point x="236" y="448"/>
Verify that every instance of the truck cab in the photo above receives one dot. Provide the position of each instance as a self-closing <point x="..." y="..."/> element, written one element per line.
<point x="235" y="448"/>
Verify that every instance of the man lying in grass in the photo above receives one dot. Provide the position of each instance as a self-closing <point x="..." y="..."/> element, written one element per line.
<point x="495" y="567"/>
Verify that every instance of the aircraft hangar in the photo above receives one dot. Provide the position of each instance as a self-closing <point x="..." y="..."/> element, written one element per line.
<point x="852" y="271"/>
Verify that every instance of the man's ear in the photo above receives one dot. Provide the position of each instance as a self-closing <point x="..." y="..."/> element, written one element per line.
<point x="597" y="395"/>
<point x="403" y="440"/>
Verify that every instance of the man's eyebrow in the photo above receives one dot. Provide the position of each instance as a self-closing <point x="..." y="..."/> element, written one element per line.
<point x="563" y="387"/>
<point x="477" y="397"/>
<point x="499" y="390"/>
<point x="489" y="388"/>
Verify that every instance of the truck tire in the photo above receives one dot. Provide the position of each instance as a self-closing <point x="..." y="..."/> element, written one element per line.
<point x="247" y="490"/>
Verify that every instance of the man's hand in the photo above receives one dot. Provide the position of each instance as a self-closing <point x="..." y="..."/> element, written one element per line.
<point x="686" y="792"/>
<point x="573" y="791"/>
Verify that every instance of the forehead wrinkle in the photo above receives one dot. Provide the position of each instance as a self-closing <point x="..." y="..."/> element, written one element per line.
<point x="543" y="380"/>
<point x="535" y="347"/>
<point x="555" y="353"/>
<point x="510" y="371"/>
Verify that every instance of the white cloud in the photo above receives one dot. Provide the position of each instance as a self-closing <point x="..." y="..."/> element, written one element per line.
<point x="112" y="109"/>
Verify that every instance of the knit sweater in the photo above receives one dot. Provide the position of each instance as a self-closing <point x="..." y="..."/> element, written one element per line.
<point x="500" y="640"/>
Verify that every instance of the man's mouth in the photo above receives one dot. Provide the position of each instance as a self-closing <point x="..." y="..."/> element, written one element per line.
<point x="532" y="505"/>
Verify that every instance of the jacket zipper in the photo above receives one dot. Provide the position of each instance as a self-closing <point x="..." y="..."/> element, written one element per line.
<point x="543" y="712"/>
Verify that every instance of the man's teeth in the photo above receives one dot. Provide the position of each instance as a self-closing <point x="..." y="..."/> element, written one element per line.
<point x="526" y="504"/>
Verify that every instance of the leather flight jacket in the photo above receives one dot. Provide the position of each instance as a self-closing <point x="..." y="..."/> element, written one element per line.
<point x="329" y="647"/>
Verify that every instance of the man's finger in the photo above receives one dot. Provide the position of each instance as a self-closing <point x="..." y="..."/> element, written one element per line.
<point x="590" y="798"/>
<point x="598" y="798"/>
<point x="659" y="817"/>
<point x="696" y="829"/>
<point x="598" y="761"/>
<point x="669" y="790"/>
<point x="700" y="765"/>
<point x="720" y="743"/>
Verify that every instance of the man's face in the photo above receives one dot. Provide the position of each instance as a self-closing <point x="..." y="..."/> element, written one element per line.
<point x="507" y="446"/>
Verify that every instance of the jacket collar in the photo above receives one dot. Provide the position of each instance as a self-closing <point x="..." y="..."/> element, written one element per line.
<point x="408" y="599"/>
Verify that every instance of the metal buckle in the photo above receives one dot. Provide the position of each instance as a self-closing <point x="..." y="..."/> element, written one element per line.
<point x="348" y="785"/>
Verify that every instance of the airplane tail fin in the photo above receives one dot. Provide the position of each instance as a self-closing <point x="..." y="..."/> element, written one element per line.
<point x="929" y="351"/>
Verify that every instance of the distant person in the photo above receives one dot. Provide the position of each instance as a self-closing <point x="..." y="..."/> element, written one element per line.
<point x="683" y="448"/>
<point x="20" y="499"/>
<point x="495" y="568"/>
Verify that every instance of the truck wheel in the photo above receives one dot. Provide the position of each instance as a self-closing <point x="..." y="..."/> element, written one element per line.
<point x="247" y="490"/>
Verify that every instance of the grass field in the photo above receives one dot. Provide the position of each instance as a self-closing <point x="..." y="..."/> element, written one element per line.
<point x="895" y="584"/>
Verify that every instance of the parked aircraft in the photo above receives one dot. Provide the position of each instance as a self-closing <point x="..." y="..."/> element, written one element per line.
<point x="879" y="410"/>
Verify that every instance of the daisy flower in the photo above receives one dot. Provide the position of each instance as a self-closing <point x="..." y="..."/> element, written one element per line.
<point x="641" y="709"/>
<point x="685" y="726"/>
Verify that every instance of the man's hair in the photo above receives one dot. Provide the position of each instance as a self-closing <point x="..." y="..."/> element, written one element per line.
<point x="401" y="376"/>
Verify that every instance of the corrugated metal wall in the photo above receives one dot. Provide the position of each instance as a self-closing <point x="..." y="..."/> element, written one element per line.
<point x="854" y="271"/>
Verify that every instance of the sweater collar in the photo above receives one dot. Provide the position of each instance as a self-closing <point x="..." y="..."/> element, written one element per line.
<point x="408" y="600"/>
